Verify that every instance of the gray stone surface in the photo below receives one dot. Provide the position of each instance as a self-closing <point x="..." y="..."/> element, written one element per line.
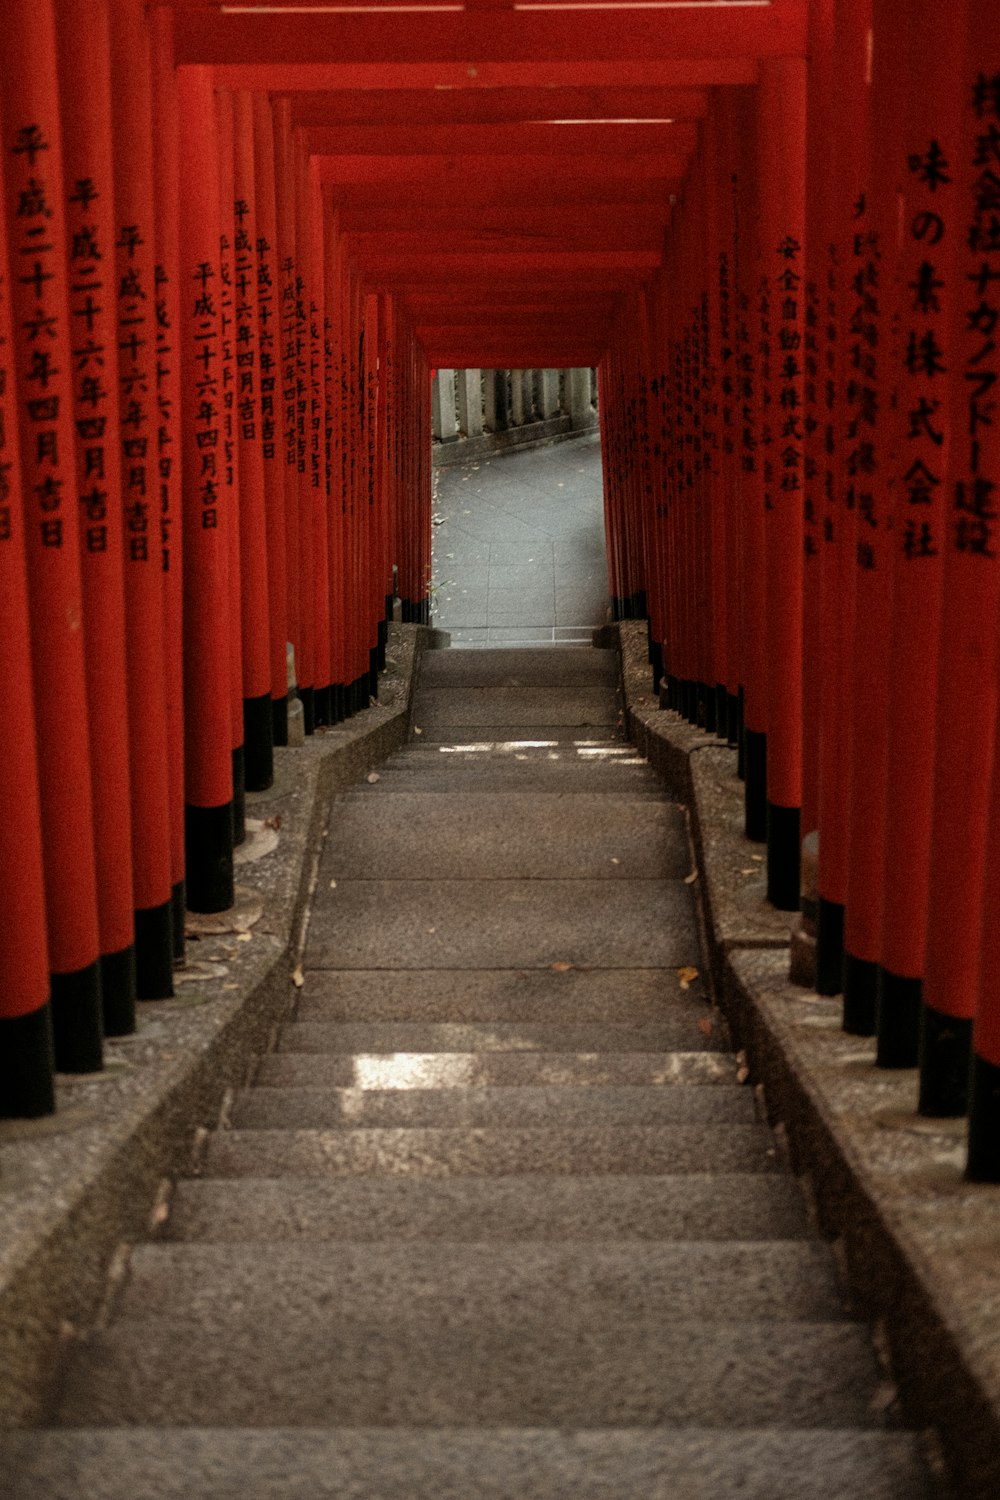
<point x="627" y="996"/>
<point x="692" y="1206"/>
<point x="505" y="668"/>
<point x="484" y="1069"/>
<point x="239" y="1368"/>
<point x="544" y="1151"/>
<point x="392" y="1037"/>
<point x="518" y="769"/>
<point x="492" y="1464"/>
<point x="575" y="704"/>
<point x="514" y="835"/>
<point x="309" y="1109"/>
<point x="443" y="924"/>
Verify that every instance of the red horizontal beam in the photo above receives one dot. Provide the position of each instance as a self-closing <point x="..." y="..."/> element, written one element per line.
<point x="451" y="106"/>
<point x="469" y="38"/>
<point x="509" y="174"/>
<point x="361" y="77"/>
<point x="579" y="238"/>
<point x="672" y="142"/>
<point x="446" y="215"/>
<point x="492" y="195"/>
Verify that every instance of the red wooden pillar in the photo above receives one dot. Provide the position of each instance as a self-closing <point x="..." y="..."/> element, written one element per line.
<point x="166" y="166"/>
<point x="85" y="103"/>
<point x="229" y="445"/>
<point x="26" y="1062"/>
<point x="269" y="367"/>
<point x="42" y="364"/>
<point x="207" y="689"/>
<point x="306" y="650"/>
<point x="333" y="296"/>
<point x="289" y="336"/>
<point x="318" y="485"/>
<point x="135" y="275"/>
<point x="258" y="718"/>
<point x="927" y="73"/>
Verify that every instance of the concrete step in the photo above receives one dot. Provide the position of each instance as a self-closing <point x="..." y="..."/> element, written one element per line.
<point x="325" y="1109"/>
<point x="420" y="1285"/>
<point x="677" y="1030"/>
<point x="405" y="1070"/>
<point x="358" y="1463"/>
<point x="513" y="835"/>
<point x="697" y="1206"/>
<point x="505" y="738"/>
<point x="635" y="996"/>
<point x="629" y="1150"/>
<point x="467" y="706"/>
<point x="518" y="668"/>
<point x="519" y="770"/>
<point x="447" y="924"/>
<point x="277" y="1363"/>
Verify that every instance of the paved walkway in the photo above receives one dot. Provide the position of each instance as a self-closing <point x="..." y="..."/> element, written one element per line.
<point x="519" y="547"/>
<point x="497" y="1220"/>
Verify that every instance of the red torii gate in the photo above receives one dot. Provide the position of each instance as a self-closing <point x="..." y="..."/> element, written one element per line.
<point x="370" y="191"/>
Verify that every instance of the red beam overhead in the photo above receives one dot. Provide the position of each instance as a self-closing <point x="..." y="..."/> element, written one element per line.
<point x="569" y="236"/>
<point x="412" y="216"/>
<point x="471" y="38"/>
<point x="511" y="176"/>
<point x="492" y="195"/>
<point x="673" y="142"/>
<point x="450" y="106"/>
<point x="474" y="79"/>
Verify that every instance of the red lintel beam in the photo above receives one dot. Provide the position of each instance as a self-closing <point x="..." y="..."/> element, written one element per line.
<point x="492" y="195"/>
<point x="415" y="215"/>
<point x="509" y="139"/>
<point x="450" y="106"/>
<point x="567" y="236"/>
<point x="470" y="38"/>
<point x="483" y="265"/>
<point x="511" y="176"/>
<point x="362" y="77"/>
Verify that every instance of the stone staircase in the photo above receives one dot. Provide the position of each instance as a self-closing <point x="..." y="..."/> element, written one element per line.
<point x="496" y="1218"/>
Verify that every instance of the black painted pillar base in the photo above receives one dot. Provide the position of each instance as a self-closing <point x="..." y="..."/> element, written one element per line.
<point x="178" y="907"/>
<point x="77" y="1020"/>
<point x="359" y="687"/>
<point x="898" y="1003"/>
<point x="119" y="990"/>
<point x="829" y="947"/>
<point x="617" y="608"/>
<point x="279" y="720"/>
<point x="860" y="990"/>
<point x="339" y="704"/>
<point x="755" y="789"/>
<point x="689" y="695"/>
<point x="784" y="857"/>
<point x="308" y="696"/>
<point x="721" y="711"/>
<point x="709" y="705"/>
<point x="239" y="802"/>
<point x="733" y="720"/>
<point x="984" y="1122"/>
<point x="208" y="851"/>
<point x="27" y="1088"/>
<point x="656" y="663"/>
<point x="638" y="604"/>
<point x="154" y="952"/>
<point x="741" y="749"/>
<point x="322" y="707"/>
<point x="373" y="672"/>
<point x="945" y="1060"/>
<point x="258" y="742"/>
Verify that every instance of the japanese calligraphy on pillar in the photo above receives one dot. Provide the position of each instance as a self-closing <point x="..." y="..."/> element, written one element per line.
<point x="165" y="356"/>
<point x="727" y="358"/>
<point x="975" y="500"/>
<point x="245" y="286"/>
<point x="134" y="301"/>
<point x="811" y="418"/>
<point x="316" y="420"/>
<point x="227" y="329"/>
<point x="87" y="303"/>
<point x="862" y="399"/>
<point x="290" y="351"/>
<point x="925" y="248"/>
<point x="830" y="392"/>
<point x="788" y="369"/>
<point x="207" y="427"/>
<point x="266" y="360"/>
<point x="765" y="434"/>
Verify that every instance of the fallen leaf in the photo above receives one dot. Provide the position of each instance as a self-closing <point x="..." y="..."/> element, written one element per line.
<point x="372" y="777"/>
<point x="690" y="879"/>
<point x="615" y="861"/>
<point x="417" y="731"/>
<point x="742" y="1070"/>
<point x="298" y="978"/>
<point x="705" y="1026"/>
<point x="333" y="885"/>
<point x="751" y="871"/>
<point x="686" y="975"/>
<point x="758" y="857"/>
<point x="274" y="822"/>
<point x="244" y="937"/>
<point x="560" y="967"/>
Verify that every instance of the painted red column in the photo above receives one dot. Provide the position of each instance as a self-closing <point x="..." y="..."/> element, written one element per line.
<point x="135" y="275"/>
<point x="306" y="649"/>
<point x="166" y="167"/>
<point x="85" y="104"/>
<point x="26" y="1060"/>
<point x="318" y="486"/>
<point x="289" y="335"/>
<point x="207" y="691"/>
<point x="258" y="725"/>
<point x="269" y="317"/>
<point x="41" y="365"/>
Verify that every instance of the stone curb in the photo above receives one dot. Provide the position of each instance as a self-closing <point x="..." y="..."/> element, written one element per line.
<point x="83" y="1182"/>
<point x="465" y="450"/>
<point x="920" y="1246"/>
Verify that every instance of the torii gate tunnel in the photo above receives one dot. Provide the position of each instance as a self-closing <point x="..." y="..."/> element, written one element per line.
<point x="237" y="238"/>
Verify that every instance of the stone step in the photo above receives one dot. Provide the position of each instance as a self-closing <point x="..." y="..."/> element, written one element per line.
<point x="698" y="1206"/>
<point x="447" y="924"/>
<point x="677" y="1030"/>
<point x="630" y="1150"/>
<point x="275" y="1362"/>
<point x="635" y="996"/>
<point x="518" y="668"/>
<point x="467" y="706"/>
<point x="534" y="772"/>
<point x="405" y="1070"/>
<point x="500" y="836"/>
<point x="357" y="1463"/>
<point x="325" y="1109"/>
<point x="505" y="739"/>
